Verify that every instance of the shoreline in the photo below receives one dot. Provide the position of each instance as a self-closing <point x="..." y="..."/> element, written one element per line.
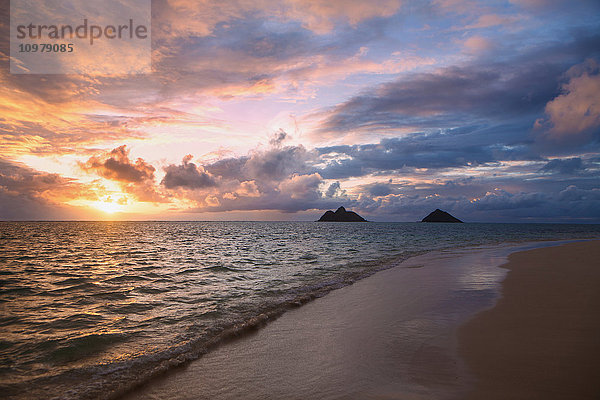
<point x="542" y="338"/>
<point x="427" y="362"/>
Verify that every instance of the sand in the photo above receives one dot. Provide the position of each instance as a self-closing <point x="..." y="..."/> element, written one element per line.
<point x="542" y="339"/>
<point x="395" y="335"/>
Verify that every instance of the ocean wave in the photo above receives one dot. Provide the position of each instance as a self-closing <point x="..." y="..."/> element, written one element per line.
<point x="223" y="268"/>
<point x="75" y="321"/>
<point x="84" y="346"/>
<point x="72" y="281"/>
<point x="85" y="287"/>
<point x="129" y="308"/>
<point x="178" y="297"/>
<point x="126" y="278"/>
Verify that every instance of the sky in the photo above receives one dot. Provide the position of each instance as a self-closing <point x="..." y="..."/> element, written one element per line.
<point x="282" y="109"/>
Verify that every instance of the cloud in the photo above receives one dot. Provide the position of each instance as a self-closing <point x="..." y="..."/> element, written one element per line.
<point x="134" y="177"/>
<point x="573" y="193"/>
<point x="187" y="176"/>
<point x="490" y="20"/>
<point x="248" y="189"/>
<point x="506" y="91"/>
<point x="19" y="179"/>
<point x="500" y="199"/>
<point x="276" y="164"/>
<point x="116" y="165"/>
<point x="335" y="190"/>
<point x="418" y="124"/>
<point x="552" y="6"/>
<point x="266" y="179"/>
<point x="379" y="189"/>
<point x="495" y="205"/>
<point x="571" y="203"/>
<point x="188" y="17"/>
<point x="29" y="194"/>
<point x="574" y="115"/>
<point x="41" y="115"/>
<point x="302" y="186"/>
<point x="566" y="166"/>
<point x="320" y="16"/>
<point x="477" y="44"/>
<point x="435" y="150"/>
<point x="435" y="170"/>
<point x="265" y="167"/>
<point x="446" y="98"/>
<point x="278" y="138"/>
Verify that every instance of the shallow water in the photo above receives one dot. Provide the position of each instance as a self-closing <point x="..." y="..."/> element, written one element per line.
<point x="391" y="335"/>
<point x="89" y="308"/>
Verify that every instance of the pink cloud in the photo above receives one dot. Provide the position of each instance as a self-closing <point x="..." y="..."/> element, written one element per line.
<point x="477" y="44"/>
<point x="490" y="20"/>
<point x="320" y="16"/>
<point x="301" y="186"/>
<point x="194" y="18"/>
<point x="575" y="114"/>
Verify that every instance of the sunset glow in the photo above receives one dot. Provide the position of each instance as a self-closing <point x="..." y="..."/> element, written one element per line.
<point x="108" y="207"/>
<point x="281" y="110"/>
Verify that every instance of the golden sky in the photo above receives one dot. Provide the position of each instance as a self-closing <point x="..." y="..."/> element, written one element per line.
<point x="270" y="109"/>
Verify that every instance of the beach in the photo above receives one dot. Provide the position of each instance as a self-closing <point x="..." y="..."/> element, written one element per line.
<point x="542" y="339"/>
<point x="409" y="333"/>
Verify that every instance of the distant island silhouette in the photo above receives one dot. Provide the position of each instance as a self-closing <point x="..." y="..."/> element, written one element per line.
<point x="341" y="215"/>
<point x="440" y="216"/>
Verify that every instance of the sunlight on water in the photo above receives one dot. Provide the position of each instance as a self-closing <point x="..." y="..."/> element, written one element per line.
<point x="90" y="305"/>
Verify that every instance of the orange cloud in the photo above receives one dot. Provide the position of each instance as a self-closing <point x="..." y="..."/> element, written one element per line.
<point x="42" y="115"/>
<point x="134" y="177"/>
<point x="115" y="165"/>
<point x="26" y="193"/>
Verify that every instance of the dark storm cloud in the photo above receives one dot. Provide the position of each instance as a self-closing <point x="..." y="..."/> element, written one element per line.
<point x="499" y="199"/>
<point x="380" y="189"/>
<point x="442" y="149"/>
<point x="569" y="203"/>
<point x="567" y="166"/>
<point x="516" y="89"/>
<point x="273" y="164"/>
<point x="276" y="163"/>
<point x="231" y="168"/>
<point x="335" y="190"/>
<point x="455" y="95"/>
<point x="187" y="175"/>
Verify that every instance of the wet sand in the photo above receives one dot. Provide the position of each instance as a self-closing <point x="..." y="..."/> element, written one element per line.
<point x="542" y="339"/>
<point x="390" y="336"/>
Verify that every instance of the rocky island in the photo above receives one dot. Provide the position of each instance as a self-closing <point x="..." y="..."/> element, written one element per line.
<point x="440" y="216"/>
<point x="341" y="215"/>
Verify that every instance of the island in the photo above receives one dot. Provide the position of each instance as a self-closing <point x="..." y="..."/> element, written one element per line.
<point x="440" y="216"/>
<point x="341" y="215"/>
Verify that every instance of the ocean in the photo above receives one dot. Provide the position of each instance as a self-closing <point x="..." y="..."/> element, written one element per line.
<point x="91" y="309"/>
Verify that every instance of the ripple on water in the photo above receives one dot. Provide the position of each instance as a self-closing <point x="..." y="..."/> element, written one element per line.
<point x="118" y="301"/>
<point x="83" y="346"/>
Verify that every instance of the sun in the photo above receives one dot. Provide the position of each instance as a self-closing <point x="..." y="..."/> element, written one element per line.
<point x="108" y="207"/>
